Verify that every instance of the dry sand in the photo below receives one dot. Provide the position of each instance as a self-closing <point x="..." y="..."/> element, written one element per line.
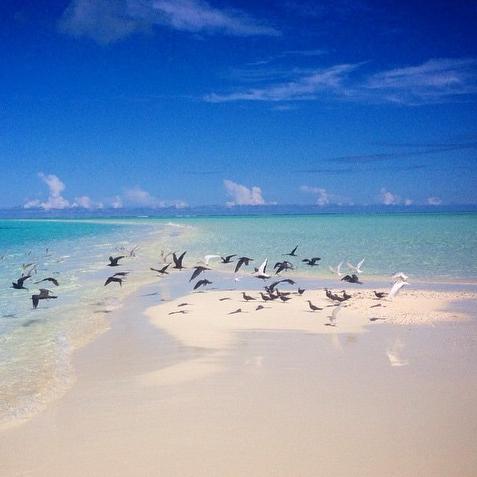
<point x="273" y="392"/>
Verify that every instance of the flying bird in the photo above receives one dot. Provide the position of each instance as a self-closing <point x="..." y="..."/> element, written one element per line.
<point x="162" y="271"/>
<point x="114" y="279"/>
<point x="357" y="268"/>
<point x="292" y="253"/>
<point x="242" y="261"/>
<point x="281" y="266"/>
<point x="274" y="284"/>
<point x="178" y="261"/>
<point x="208" y="258"/>
<point x="337" y="270"/>
<point x="49" y="279"/>
<point x="113" y="261"/>
<point x="312" y="262"/>
<point x="202" y="283"/>
<point x="43" y="295"/>
<point x="400" y="276"/>
<point x="18" y="285"/>
<point x="198" y="270"/>
<point x="228" y="258"/>
<point x="261" y="271"/>
<point x="396" y="288"/>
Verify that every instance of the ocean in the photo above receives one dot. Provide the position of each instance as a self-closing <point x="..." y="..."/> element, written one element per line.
<point x="36" y="345"/>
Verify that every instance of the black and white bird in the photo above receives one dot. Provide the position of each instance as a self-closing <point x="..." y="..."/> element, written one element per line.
<point x="357" y="268"/>
<point x="337" y="270"/>
<point x="261" y="271"/>
<point x="396" y="288"/>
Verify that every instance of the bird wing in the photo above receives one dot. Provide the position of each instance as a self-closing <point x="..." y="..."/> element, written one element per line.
<point x="350" y="266"/>
<point x="360" y="263"/>
<point x="239" y="264"/>
<point x="210" y="257"/>
<point x="196" y="273"/>
<point x="35" y="300"/>
<point x="395" y="289"/>
<point x="294" y="250"/>
<point x="199" y="284"/>
<point x="263" y="267"/>
<point x="108" y="281"/>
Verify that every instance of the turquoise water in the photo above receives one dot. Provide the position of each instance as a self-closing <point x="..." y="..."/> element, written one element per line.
<point x="36" y="345"/>
<point x="425" y="246"/>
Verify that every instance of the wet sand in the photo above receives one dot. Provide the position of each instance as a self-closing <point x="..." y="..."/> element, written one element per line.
<point x="281" y="394"/>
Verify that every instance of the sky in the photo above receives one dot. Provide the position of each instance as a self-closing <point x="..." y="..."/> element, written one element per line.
<point x="159" y="103"/>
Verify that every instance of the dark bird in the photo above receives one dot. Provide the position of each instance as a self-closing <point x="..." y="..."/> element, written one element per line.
<point x="225" y="298"/>
<point x="285" y="298"/>
<point x="259" y="307"/>
<point x="274" y="284"/>
<point x="312" y="261"/>
<point x="49" y="279"/>
<point x="346" y="296"/>
<point x="198" y="270"/>
<point x="43" y="295"/>
<point x="242" y="261"/>
<point x="380" y="294"/>
<point x="301" y="291"/>
<point x="228" y="258"/>
<point x="281" y="266"/>
<point x="114" y="279"/>
<point x="375" y="306"/>
<point x="265" y="297"/>
<point x="351" y="279"/>
<point x="162" y="270"/>
<point x="113" y="261"/>
<point x="292" y="253"/>
<point x="178" y="312"/>
<point x="202" y="283"/>
<point x="313" y="307"/>
<point x="178" y="260"/>
<point x="247" y="297"/>
<point x="183" y="304"/>
<point x="238" y="310"/>
<point x="18" y="285"/>
<point x="376" y="319"/>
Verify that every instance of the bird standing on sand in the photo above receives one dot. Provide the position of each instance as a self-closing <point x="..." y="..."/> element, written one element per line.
<point x="113" y="261"/>
<point x="379" y="294"/>
<point x="247" y="297"/>
<point x="313" y="307"/>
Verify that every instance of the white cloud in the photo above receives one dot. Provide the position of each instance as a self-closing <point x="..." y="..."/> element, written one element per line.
<point x="388" y="198"/>
<point x="116" y="202"/>
<point x="434" y="200"/>
<point x="55" y="199"/>
<point x="138" y="197"/>
<point x="106" y="21"/>
<point x="322" y="196"/>
<point x="242" y="195"/>
<point x="436" y="80"/>
<point x="305" y="87"/>
<point x="86" y="202"/>
<point x="408" y="202"/>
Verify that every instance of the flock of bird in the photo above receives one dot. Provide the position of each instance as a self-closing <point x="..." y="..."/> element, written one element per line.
<point x="271" y="291"/>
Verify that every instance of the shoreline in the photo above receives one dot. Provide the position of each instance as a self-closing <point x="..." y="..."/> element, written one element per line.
<point x="151" y="401"/>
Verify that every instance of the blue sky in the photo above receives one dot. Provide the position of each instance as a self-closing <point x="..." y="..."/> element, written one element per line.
<point x="157" y="102"/>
